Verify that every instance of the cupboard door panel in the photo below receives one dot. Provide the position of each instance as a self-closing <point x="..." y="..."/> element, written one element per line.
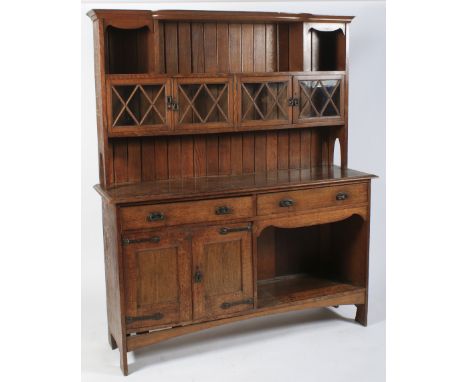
<point x="318" y="98"/>
<point x="222" y="271"/>
<point x="203" y="103"/>
<point x="263" y="101"/>
<point x="138" y="106"/>
<point x="157" y="278"/>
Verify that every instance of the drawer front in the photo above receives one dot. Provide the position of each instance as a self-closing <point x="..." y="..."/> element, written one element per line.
<point x="159" y="215"/>
<point x="293" y="201"/>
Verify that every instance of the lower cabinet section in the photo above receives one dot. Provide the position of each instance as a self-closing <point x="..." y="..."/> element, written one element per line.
<point x="177" y="276"/>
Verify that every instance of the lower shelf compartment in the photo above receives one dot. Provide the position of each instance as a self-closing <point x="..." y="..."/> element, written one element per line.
<point x="296" y="288"/>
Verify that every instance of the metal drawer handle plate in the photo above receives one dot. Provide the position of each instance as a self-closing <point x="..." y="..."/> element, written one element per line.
<point x="154" y="239"/>
<point x="286" y="203"/>
<point x="157" y="316"/>
<point x="223" y="210"/>
<point x="226" y="230"/>
<point x="227" y="305"/>
<point x="341" y="196"/>
<point x="156" y="216"/>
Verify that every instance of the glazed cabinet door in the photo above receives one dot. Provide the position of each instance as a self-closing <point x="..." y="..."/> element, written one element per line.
<point x="138" y="106"/>
<point x="263" y="101"/>
<point x="222" y="271"/>
<point x="202" y="103"/>
<point x="318" y="98"/>
<point x="157" y="278"/>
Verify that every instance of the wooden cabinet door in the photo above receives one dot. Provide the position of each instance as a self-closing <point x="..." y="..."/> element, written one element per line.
<point x="138" y="106"/>
<point x="203" y="103"/>
<point x="264" y="101"/>
<point x="222" y="271"/>
<point x="318" y="98"/>
<point x="157" y="278"/>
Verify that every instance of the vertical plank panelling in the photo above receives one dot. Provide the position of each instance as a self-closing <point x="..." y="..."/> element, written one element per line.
<point x="259" y="48"/>
<point x="224" y="154"/>
<point x="272" y="151"/>
<point x="211" y="56"/>
<point x="294" y="149"/>
<point x="247" y="47"/>
<point x="270" y="48"/>
<point x="315" y="148"/>
<point x="147" y="159"/>
<point x="296" y="52"/>
<point x="236" y="154"/>
<point x="162" y="50"/>
<point x="248" y="153"/>
<point x="222" y="47"/>
<point x="170" y="35"/>
<point x="187" y="156"/>
<point x="212" y="164"/>
<point x="199" y="155"/>
<point x="198" y="61"/>
<point x="283" y="47"/>
<point x="134" y="160"/>
<point x="160" y="158"/>
<point x="260" y="152"/>
<point x="283" y="150"/>
<point x="175" y="159"/>
<point x="185" y="50"/>
<point x="235" y="50"/>
<point x="120" y="161"/>
<point x="305" y="148"/>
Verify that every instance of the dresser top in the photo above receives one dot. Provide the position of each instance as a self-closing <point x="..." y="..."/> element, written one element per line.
<point x="229" y="185"/>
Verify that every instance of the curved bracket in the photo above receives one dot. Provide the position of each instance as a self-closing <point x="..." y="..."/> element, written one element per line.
<point x="327" y="27"/>
<point x="311" y="218"/>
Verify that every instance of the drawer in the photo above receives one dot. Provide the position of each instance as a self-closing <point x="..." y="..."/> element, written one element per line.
<point x="158" y="215"/>
<point x="303" y="200"/>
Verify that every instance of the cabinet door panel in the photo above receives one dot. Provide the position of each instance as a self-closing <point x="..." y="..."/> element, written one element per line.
<point x="138" y="106"/>
<point x="319" y="98"/>
<point x="203" y="103"/>
<point x="222" y="269"/>
<point x="157" y="278"/>
<point x="264" y="101"/>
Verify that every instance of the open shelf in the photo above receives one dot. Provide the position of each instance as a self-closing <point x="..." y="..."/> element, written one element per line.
<point x="311" y="263"/>
<point x="127" y="50"/>
<point x="300" y="287"/>
<point x="328" y="50"/>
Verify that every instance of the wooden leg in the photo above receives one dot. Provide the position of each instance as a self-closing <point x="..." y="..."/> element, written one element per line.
<point x="361" y="314"/>
<point x="123" y="362"/>
<point x="112" y="342"/>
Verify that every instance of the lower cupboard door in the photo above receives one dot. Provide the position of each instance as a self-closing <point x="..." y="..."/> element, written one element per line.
<point x="157" y="278"/>
<point x="222" y="271"/>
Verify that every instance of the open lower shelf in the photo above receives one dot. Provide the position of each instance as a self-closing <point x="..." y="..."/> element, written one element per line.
<point x="296" y="288"/>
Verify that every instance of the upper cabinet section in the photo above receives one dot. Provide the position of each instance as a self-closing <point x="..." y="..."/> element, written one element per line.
<point x="191" y="72"/>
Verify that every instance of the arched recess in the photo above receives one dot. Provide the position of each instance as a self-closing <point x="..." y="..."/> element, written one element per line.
<point x="306" y="258"/>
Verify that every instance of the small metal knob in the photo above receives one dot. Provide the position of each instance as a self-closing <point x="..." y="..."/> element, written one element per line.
<point x="156" y="216"/>
<point x="341" y="196"/>
<point x="198" y="276"/>
<point x="223" y="210"/>
<point x="286" y="203"/>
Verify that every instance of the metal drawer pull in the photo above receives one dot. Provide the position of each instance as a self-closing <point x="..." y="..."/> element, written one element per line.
<point x="154" y="239"/>
<point x="286" y="203"/>
<point x="156" y="316"/>
<point x="341" y="196"/>
<point x="226" y="230"/>
<point x="156" y="216"/>
<point x="227" y="305"/>
<point x="223" y="210"/>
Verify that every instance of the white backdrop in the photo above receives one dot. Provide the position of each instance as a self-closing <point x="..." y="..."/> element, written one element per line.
<point x="352" y="352"/>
